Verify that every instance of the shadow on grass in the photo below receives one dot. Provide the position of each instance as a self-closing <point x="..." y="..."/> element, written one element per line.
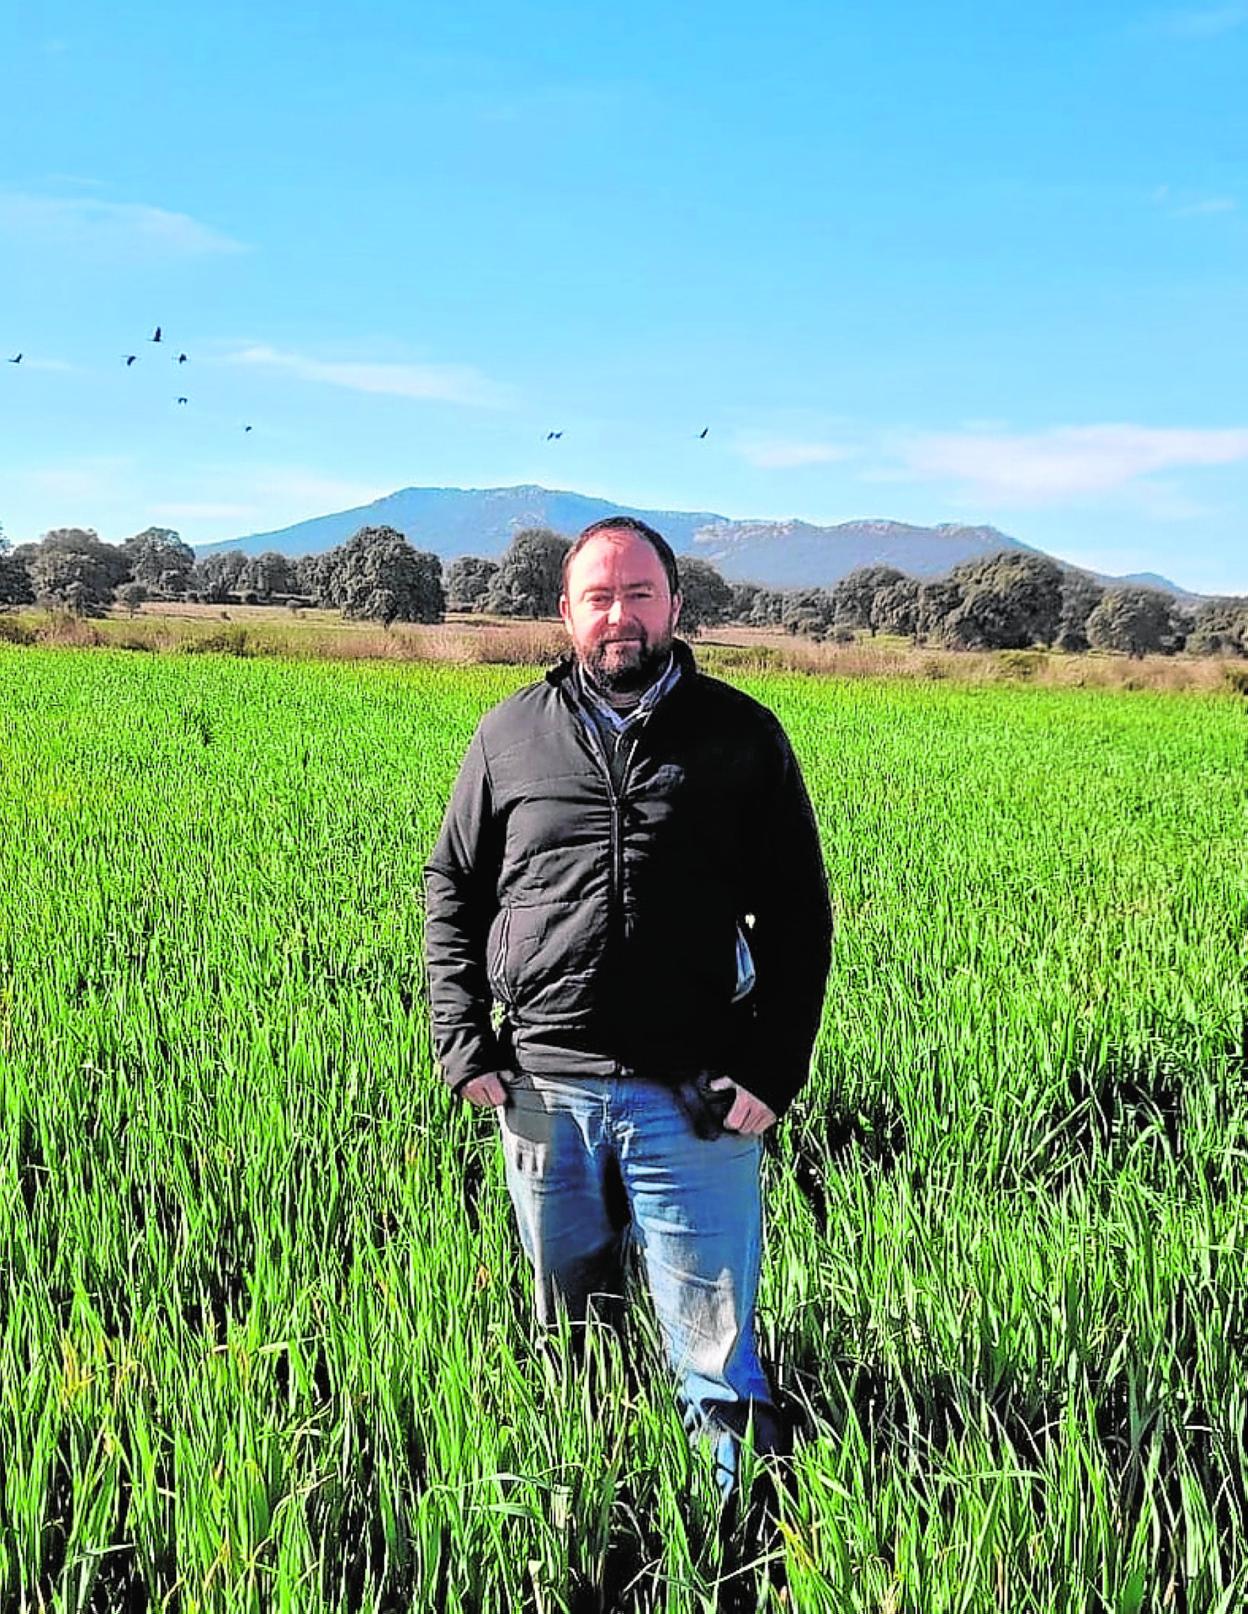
<point x="1153" y="1439"/>
<point x="1151" y="1114"/>
<point x="874" y="1134"/>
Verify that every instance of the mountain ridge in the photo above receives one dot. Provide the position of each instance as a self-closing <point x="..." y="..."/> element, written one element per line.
<point x="784" y="553"/>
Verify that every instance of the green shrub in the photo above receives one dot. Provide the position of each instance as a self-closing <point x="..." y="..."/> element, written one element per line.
<point x="231" y="641"/>
<point x="750" y="658"/>
<point x="1237" y="679"/>
<point x="15" y="632"/>
<point x="1021" y="663"/>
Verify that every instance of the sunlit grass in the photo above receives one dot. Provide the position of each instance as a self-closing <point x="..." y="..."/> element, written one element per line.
<point x="265" y="1337"/>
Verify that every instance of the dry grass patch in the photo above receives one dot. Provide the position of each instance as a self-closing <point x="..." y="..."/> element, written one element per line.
<point x="472" y="640"/>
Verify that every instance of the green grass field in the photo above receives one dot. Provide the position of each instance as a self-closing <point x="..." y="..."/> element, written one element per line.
<point x="264" y="1325"/>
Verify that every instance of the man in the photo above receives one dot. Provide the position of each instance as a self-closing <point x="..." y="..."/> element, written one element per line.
<point x="630" y="868"/>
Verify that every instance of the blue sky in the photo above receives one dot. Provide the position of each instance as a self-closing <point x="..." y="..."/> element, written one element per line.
<point x="958" y="263"/>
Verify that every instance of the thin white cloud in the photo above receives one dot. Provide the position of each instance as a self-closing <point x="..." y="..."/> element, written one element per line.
<point x="1194" y="206"/>
<point x="93" y="477"/>
<point x="1208" y="22"/>
<point x="268" y="497"/>
<point x="986" y="423"/>
<point x="782" y="454"/>
<point x="1164" y="501"/>
<point x="568" y="103"/>
<point x="85" y="223"/>
<point x="1065" y="462"/>
<point x="309" y="493"/>
<point x="204" y="511"/>
<point x="1209" y="204"/>
<point x="117" y="495"/>
<point x="82" y="181"/>
<point x="441" y="383"/>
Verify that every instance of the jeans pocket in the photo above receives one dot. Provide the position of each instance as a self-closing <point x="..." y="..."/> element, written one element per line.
<point x="706" y="1107"/>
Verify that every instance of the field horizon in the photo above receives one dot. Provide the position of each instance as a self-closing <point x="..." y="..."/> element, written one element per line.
<point x="471" y="638"/>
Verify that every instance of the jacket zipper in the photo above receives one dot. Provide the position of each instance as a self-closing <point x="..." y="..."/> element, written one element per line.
<point x="618" y="828"/>
<point x="594" y="744"/>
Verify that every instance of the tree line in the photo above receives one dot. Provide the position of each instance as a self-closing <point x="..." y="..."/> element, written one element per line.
<point x="1008" y="600"/>
<point x="376" y="575"/>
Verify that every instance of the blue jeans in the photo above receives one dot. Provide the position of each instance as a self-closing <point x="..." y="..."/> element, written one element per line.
<point x="593" y="1162"/>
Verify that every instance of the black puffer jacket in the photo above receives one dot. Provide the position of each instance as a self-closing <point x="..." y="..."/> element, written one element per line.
<point x="605" y="923"/>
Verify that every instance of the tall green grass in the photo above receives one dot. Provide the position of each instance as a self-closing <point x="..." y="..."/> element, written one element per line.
<point x="264" y="1328"/>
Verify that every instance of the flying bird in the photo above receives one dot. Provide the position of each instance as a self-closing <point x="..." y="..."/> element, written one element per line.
<point x="703" y="433"/>
<point x="155" y="336"/>
<point x="550" y="435"/>
<point x="16" y="359"/>
<point x="129" y="358"/>
<point x="181" y="400"/>
<point x="181" y="358"/>
<point x="246" y="428"/>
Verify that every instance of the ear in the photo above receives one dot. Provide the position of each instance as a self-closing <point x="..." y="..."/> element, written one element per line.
<point x="565" y="614"/>
<point x="677" y="602"/>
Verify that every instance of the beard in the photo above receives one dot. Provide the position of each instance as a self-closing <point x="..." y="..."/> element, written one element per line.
<point x="626" y="668"/>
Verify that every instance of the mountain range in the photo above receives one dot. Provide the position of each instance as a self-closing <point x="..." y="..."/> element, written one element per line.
<point x="483" y="521"/>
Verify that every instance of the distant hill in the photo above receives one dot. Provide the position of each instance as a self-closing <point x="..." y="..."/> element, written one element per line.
<point x="466" y="521"/>
<point x="483" y="521"/>
<point x="788" y="553"/>
<point x="1157" y="581"/>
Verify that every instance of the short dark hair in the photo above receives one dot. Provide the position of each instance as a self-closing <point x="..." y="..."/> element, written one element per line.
<point x="631" y="524"/>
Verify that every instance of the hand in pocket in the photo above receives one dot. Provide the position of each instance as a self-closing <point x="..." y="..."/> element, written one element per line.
<point x="746" y="1114"/>
<point x="486" y="1090"/>
<point x="706" y="1103"/>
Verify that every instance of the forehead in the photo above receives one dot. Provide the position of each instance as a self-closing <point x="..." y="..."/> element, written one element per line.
<point x="617" y="558"/>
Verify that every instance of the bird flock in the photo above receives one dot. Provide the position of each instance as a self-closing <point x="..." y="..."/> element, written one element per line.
<point x="157" y="336"/>
<point x="129" y="359"/>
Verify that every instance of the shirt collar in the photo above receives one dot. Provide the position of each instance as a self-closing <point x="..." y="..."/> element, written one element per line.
<point x="650" y="696"/>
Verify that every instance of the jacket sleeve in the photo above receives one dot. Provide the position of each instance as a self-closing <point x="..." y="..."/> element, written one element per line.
<point x="791" y="938"/>
<point x="460" y="901"/>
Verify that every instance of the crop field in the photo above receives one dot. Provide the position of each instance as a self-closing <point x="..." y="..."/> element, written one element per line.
<point x="265" y="1339"/>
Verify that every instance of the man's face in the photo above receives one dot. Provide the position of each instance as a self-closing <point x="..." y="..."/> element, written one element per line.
<point x="619" y="611"/>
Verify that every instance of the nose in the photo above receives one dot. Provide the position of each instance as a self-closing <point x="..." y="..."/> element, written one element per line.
<point x="616" y="612"/>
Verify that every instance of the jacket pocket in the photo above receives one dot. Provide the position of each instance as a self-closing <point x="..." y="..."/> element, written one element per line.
<point x="552" y="961"/>
<point x="497" y="971"/>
